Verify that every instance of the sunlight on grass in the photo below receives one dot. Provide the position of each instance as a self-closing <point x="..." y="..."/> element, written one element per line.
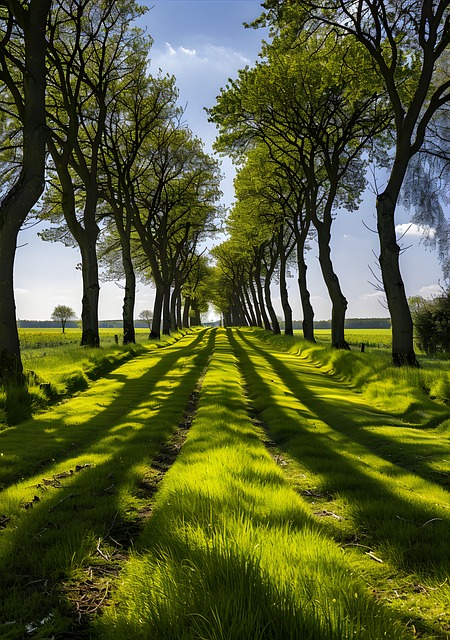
<point x="231" y="551"/>
<point x="77" y="475"/>
<point x="367" y="469"/>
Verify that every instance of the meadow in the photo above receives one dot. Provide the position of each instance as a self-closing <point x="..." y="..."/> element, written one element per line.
<point x="228" y="483"/>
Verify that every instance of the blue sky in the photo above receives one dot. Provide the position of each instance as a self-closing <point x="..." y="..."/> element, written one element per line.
<point x="203" y="43"/>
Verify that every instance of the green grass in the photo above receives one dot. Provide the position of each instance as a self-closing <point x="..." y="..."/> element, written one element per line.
<point x="383" y="475"/>
<point x="72" y="474"/>
<point x="231" y="551"/>
<point x="55" y="366"/>
<point x="310" y="500"/>
<point x="372" y="338"/>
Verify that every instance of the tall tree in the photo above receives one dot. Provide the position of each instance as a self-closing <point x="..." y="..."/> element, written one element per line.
<point x="408" y="44"/>
<point x="22" y="76"/>
<point x="142" y="105"/>
<point x="175" y="197"/>
<point x="91" y="54"/>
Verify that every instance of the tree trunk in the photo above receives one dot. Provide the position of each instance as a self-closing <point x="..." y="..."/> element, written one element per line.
<point x="173" y="310"/>
<point x="338" y="300"/>
<point x="308" y="311"/>
<point x="178" y="317"/>
<point x="301" y="229"/>
<point x="401" y="321"/>
<point x="270" y="309"/>
<point x="129" y="335"/>
<point x="187" y="308"/>
<point x="10" y="362"/>
<point x="251" y="313"/>
<point x="259" y="321"/>
<point x="91" y="291"/>
<point x="24" y="194"/>
<point x="129" y="297"/>
<point x="155" y="332"/>
<point x="262" y="306"/>
<point x="287" y="310"/>
<point x="166" y="326"/>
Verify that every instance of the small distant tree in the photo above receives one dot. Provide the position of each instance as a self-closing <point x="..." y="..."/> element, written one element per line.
<point x="147" y="316"/>
<point x="63" y="313"/>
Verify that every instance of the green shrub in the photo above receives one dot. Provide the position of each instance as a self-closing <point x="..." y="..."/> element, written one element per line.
<point x="76" y="381"/>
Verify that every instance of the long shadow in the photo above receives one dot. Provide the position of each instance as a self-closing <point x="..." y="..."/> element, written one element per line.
<point x="365" y="494"/>
<point x="223" y="422"/>
<point x="49" y="440"/>
<point x="340" y="416"/>
<point x="59" y="516"/>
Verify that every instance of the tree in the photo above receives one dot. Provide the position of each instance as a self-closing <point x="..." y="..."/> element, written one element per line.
<point x="432" y="323"/>
<point x="23" y="78"/>
<point x="407" y="42"/>
<point x="147" y="316"/>
<point x="174" y="200"/>
<point x="314" y="115"/>
<point x="62" y="313"/>
<point x="92" y="51"/>
<point x="144" y="104"/>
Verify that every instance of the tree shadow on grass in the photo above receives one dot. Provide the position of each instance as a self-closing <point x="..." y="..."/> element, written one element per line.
<point x="49" y="437"/>
<point x="346" y="413"/>
<point x="70" y="511"/>
<point x="382" y="511"/>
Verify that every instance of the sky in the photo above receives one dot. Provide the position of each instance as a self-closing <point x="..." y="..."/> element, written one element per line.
<point x="203" y="43"/>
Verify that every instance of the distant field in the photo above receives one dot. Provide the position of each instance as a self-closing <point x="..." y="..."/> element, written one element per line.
<point x="51" y="337"/>
<point x="379" y="338"/>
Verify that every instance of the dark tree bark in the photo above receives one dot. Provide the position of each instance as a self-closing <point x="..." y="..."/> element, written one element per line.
<point x="284" y="251"/>
<point x="259" y="289"/>
<point x="155" y="332"/>
<point x="15" y="206"/>
<point x="186" y="310"/>
<point x="338" y="300"/>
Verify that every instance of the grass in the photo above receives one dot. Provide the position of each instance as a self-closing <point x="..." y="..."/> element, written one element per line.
<point x="383" y="475"/>
<point x="71" y="477"/>
<point x="55" y="366"/>
<point x="231" y="551"/>
<point x="310" y="500"/>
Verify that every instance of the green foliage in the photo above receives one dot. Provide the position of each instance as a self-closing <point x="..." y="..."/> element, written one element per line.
<point x="432" y="323"/>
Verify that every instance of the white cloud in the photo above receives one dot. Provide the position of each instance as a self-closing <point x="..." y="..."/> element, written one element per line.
<point x="375" y="295"/>
<point x="170" y="50"/>
<point x="184" y="61"/>
<point x="414" y="230"/>
<point x="430" y="291"/>
<point x="188" y="52"/>
<point x="21" y="292"/>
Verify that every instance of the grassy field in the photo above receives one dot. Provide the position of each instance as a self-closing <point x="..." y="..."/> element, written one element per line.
<point x="376" y="338"/>
<point x="229" y="484"/>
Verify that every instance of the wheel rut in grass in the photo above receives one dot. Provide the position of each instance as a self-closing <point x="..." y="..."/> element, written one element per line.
<point x="88" y="596"/>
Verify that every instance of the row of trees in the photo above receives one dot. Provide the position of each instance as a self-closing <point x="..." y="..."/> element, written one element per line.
<point x="85" y="126"/>
<point x="343" y="84"/>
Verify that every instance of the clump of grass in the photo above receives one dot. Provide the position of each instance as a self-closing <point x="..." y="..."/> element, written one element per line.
<point x="231" y="551"/>
<point x="76" y="381"/>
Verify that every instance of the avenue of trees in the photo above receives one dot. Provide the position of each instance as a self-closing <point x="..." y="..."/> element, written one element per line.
<point x="95" y="145"/>
<point x="342" y="83"/>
